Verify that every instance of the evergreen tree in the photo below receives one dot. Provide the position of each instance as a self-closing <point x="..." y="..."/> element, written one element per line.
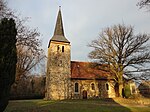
<point x="8" y="59"/>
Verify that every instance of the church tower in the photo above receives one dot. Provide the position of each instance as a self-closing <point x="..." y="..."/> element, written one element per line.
<point x="58" y="64"/>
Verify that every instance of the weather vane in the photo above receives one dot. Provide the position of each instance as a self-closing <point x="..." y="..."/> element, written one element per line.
<point x="59" y="7"/>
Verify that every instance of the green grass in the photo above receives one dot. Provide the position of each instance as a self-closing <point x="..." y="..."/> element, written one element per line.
<point x="99" y="105"/>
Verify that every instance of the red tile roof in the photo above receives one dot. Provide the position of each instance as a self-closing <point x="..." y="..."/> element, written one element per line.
<point x="84" y="70"/>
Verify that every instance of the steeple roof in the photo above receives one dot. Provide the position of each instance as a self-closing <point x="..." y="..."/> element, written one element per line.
<point x="59" y="30"/>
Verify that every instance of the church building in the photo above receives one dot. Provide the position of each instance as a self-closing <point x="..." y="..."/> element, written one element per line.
<point x="66" y="79"/>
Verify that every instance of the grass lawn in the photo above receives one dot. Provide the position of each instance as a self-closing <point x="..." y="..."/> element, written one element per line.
<point x="98" y="105"/>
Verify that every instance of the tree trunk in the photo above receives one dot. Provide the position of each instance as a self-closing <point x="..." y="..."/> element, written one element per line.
<point x="120" y="80"/>
<point x="120" y="89"/>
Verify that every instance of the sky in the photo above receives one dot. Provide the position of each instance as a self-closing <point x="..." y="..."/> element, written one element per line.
<point x="83" y="20"/>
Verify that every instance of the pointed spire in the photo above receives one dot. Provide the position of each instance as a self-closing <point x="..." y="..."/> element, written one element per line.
<point x="59" y="24"/>
<point x="59" y="30"/>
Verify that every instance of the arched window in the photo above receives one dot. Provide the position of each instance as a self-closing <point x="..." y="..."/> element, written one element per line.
<point x="76" y="87"/>
<point x="92" y="86"/>
<point x="107" y="86"/>
<point x="63" y="48"/>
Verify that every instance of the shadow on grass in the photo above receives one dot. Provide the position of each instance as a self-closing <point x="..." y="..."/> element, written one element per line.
<point x="96" y="105"/>
<point x="91" y="105"/>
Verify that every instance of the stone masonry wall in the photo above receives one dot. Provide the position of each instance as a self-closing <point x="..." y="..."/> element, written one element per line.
<point x="99" y="91"/>
<point x="58" y="71"/>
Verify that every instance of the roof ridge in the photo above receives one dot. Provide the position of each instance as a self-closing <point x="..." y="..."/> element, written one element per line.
<point x="82" y="61"/>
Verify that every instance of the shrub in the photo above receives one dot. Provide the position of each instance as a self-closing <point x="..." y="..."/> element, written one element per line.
<point x="127" y="91"/>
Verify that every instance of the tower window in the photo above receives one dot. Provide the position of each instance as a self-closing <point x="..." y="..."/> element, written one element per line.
<point x="107" y="87"/>
<point x="58" y="48"/>
<point x="92" y="86"/>
<point x="63" y="48"/>
<point x="76" y="88"/>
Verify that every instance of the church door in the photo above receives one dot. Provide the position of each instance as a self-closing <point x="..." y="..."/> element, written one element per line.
<point x="117" y="89"/>
<point x="84" y="94"/>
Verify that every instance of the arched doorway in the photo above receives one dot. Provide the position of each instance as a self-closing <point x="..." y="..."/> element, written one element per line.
<point x="84" y="94"/>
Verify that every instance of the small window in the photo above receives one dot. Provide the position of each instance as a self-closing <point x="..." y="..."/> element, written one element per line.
<point x="76" y="87"/>
<point x="92" y="86"/>
<point x="63" y="48"/>
<point x="58" y="48"/>
<point x="107" y="86"/>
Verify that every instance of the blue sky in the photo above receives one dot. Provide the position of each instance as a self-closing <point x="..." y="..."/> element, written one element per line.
<point x="83" y="19"/>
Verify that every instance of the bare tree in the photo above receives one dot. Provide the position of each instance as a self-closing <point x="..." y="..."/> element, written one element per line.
<point x="29" y="49"/>
<point x="27" y="60"/>
<point x="121" y="52"/>
<point x="144" y="4"/>
<point x="4" y="10"/>
<point x="28" y="45"/>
